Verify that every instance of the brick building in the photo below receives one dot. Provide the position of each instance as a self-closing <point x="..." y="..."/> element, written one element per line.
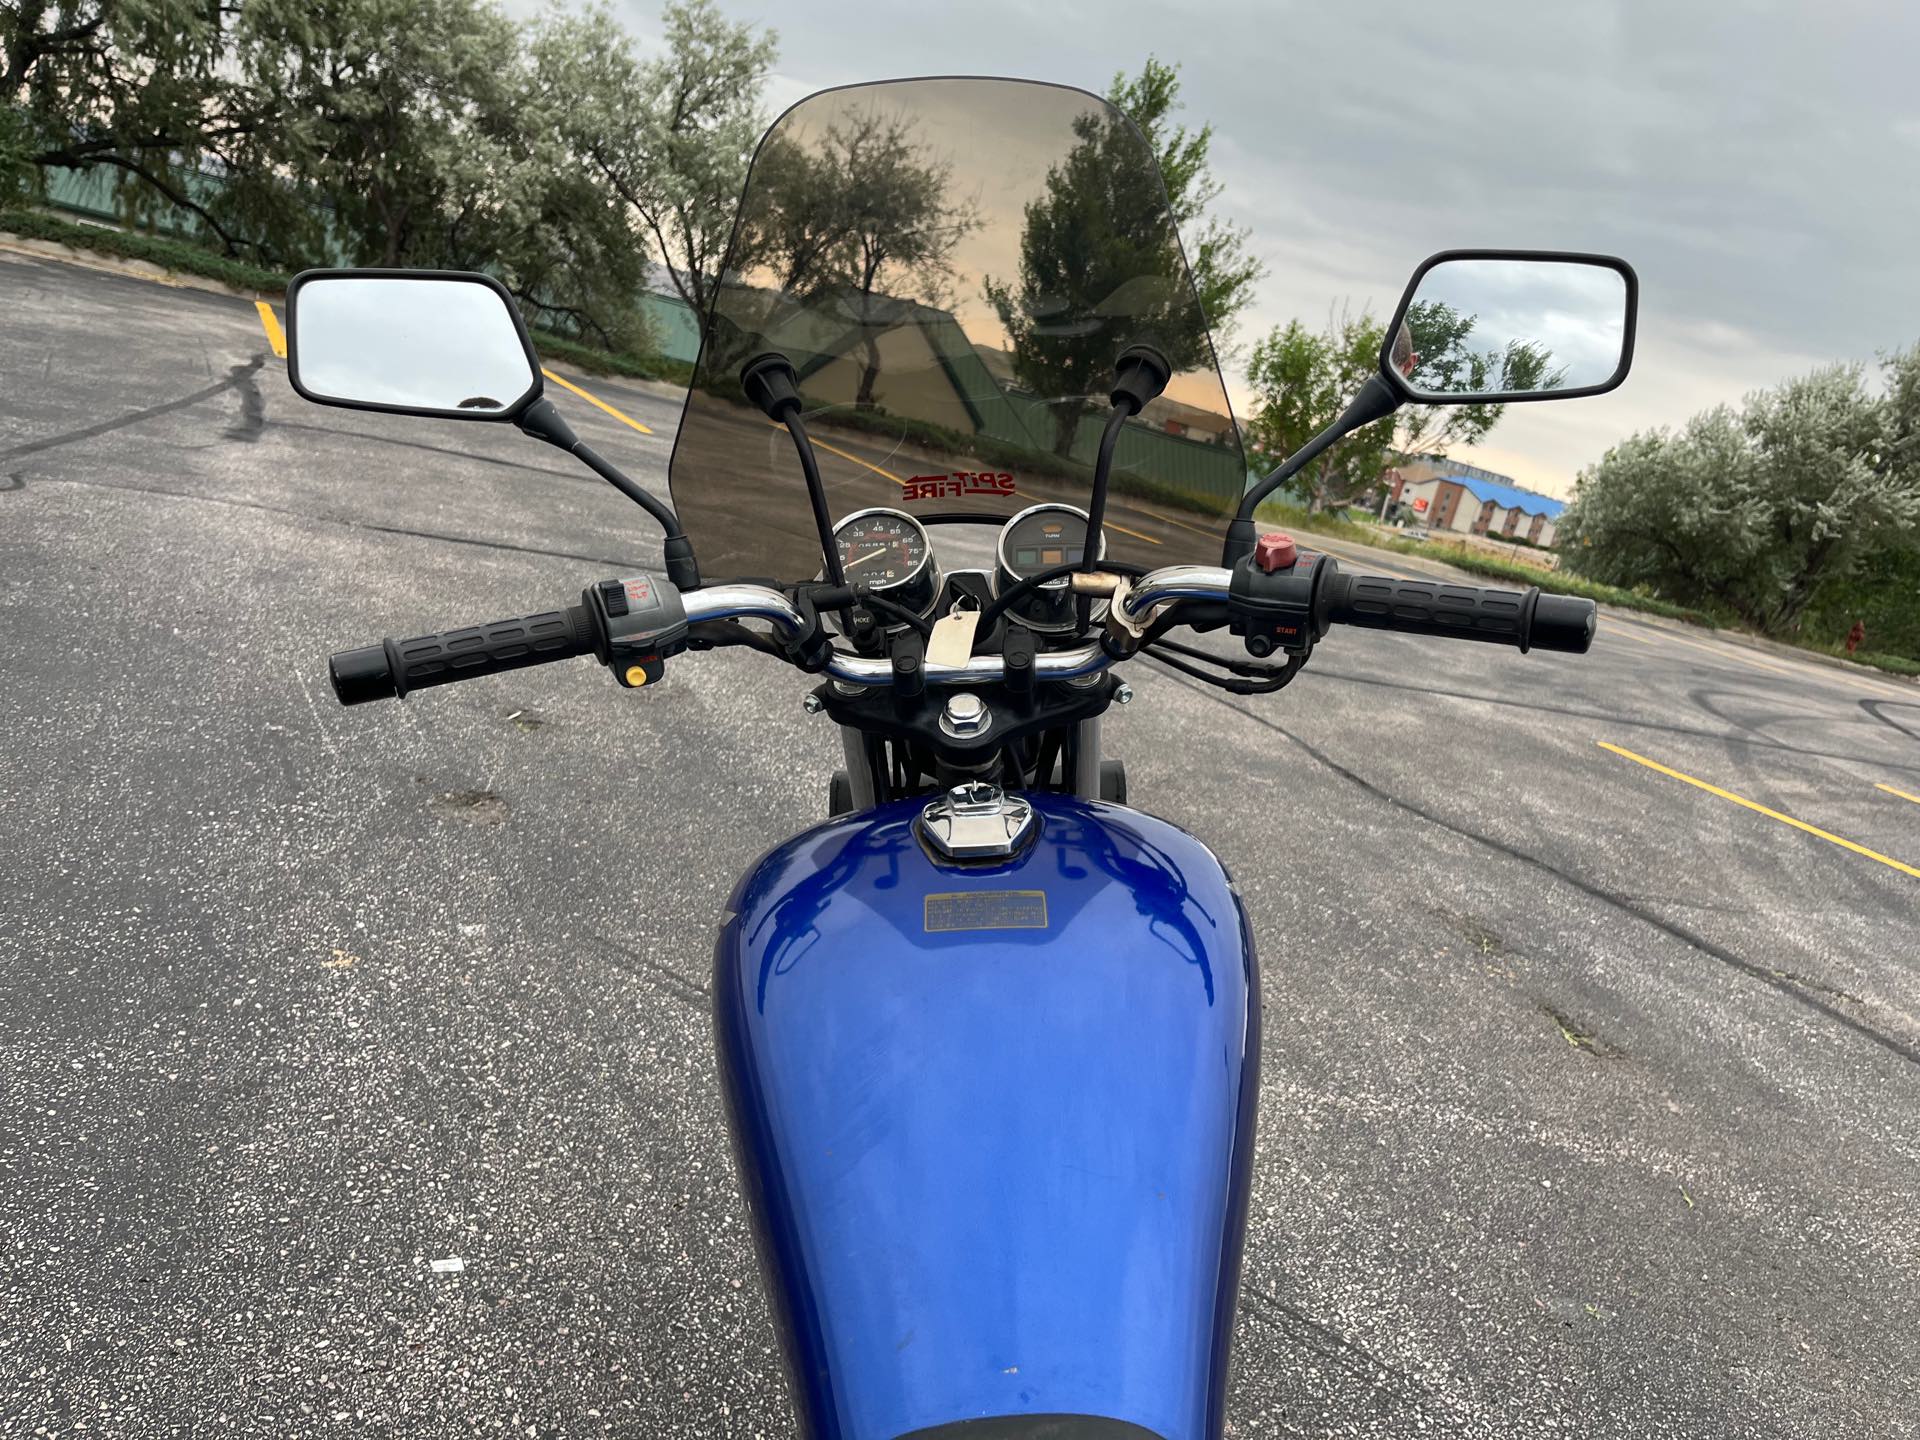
<point x="1438" y="494"/>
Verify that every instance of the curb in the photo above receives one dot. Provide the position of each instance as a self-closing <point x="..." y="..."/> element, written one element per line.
<point x="121" y="265"/>
<point x="1440" y="570"/>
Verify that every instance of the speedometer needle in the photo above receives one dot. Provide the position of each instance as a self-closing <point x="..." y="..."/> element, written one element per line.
<point x="870" y="555"/>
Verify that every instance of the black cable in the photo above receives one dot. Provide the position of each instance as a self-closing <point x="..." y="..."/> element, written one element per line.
<point x="1033" y="582"/>
<point x="722" y="634"/>
<point x="899" y="612"/>
<point x="1279" y="680"/>
<point x="1238" y="667"/>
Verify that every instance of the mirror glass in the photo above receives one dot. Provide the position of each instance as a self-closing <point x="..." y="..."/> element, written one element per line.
<point x="436" y="345"/>
<point x="1511" y="327"/>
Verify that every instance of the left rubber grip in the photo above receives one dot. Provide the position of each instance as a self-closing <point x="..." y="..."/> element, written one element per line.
<point x="393" y="668"/>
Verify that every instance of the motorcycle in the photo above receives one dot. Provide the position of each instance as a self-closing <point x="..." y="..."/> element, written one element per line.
<point x="989" y="1039"/>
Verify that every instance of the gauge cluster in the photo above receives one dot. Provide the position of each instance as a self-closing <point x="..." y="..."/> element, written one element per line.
<point x="1040" y="538"/>
<point x="888" y="551"/>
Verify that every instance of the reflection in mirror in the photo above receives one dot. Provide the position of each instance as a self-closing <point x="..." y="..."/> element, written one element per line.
<point x="436" y="344"/>
<point x="953" y="267"/>
<point x="1511" y="327"/>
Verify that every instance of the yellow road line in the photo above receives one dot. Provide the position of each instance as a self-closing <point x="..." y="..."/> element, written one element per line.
<point x="848" y="455"/>
<point x="595" y="400"/>
<point x="1901" y="793"/>
<point x="1214" y="534"/>
<point x="1762" y="809"/>
<point x="1109" y="525"/>
<point x="269" y="322"/>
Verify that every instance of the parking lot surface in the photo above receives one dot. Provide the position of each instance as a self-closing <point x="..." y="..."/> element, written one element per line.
<point x="1589" y="1088"/>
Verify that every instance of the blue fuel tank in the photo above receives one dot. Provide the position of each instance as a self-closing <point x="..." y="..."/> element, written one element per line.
<point x="995" y="1125"/>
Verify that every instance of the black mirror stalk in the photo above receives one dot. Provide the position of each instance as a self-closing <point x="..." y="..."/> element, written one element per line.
<point x="771" y="385"/>
<point x="1140" y="373"/>
<point x="1375" y="401"/>
<point x="543" y="422"/>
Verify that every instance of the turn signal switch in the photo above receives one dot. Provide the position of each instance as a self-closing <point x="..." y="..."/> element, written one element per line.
<point x="642" y="620"/>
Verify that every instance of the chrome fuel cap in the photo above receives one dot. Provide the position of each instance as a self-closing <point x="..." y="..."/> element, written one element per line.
<point x="978" y="821"/>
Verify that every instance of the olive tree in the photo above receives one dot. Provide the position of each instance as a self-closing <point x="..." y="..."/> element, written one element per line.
<point x="1759" y="510"/>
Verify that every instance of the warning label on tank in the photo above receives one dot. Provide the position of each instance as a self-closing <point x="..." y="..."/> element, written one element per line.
<point x="987" y="910"/>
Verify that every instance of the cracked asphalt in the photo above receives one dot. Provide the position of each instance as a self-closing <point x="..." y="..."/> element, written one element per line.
<point x="1588" y="1100"/>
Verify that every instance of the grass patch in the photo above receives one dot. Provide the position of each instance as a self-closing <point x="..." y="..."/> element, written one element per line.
<point x="1475" y="562"/>
<point x="607" y="362"/>
<point x="1556" y="583"/>
<point x="1892" y="664"/>
<point x="182" y="256"/>
<point x="186" y="258"/>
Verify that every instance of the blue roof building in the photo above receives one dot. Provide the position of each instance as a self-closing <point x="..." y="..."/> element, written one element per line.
<point x="1509" y="497"/>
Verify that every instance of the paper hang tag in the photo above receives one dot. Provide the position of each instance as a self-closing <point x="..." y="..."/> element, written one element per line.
<point x="952" y="642"/>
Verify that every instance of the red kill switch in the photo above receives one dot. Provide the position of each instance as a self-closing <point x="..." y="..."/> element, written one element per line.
<point x="1274" y="551"/>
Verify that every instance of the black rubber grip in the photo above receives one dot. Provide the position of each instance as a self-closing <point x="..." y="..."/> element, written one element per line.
<point x="1564" y="622"/>
<point x="393" y="668"/>
<point x="1525" y="619"/>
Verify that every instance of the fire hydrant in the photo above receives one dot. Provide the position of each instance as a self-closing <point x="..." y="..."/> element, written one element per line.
<point x="1857" y="636"/>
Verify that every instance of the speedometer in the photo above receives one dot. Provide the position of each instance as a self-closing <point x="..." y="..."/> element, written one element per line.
<point x="889" y="554"/>
<point x="1041" y="538"/>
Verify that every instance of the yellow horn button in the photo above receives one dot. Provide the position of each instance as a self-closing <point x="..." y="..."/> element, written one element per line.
<point x="636" y="676"/>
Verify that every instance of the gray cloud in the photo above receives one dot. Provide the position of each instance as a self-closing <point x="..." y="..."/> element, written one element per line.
<point x="1757" y="164"/>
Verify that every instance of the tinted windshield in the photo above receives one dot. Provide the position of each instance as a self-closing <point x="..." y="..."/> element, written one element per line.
<point x="952" y="267"/>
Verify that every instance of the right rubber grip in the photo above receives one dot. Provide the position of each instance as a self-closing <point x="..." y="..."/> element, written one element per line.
<point x="1524" y="619"/>
<point x="393" y="668"/>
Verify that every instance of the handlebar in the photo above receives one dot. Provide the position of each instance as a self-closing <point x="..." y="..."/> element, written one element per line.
<point x="641" y="618"/>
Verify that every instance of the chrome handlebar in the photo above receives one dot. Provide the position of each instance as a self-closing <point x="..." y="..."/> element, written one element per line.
<point x="1135" y="605"/>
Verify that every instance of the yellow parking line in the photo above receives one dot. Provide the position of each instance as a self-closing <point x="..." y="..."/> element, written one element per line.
<point x="269" y="322"/>
<point x="596" y="401"/>
<point x="1901" y="793"/>
<point x="1759" y="809"/>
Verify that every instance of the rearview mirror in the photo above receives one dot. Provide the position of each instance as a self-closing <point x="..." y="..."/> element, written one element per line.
<point x="418" y="342"/>
<point x="1491" y="326"/>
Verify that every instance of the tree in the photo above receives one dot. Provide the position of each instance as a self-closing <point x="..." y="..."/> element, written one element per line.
<point x="396" y="112"/>
<point x="1100" y="268"/>
<point x="1450" y="362"/>
<point x="1223" y="271"/>
<point x="1303" y="379"/>
<point x="864" y="211"/>
<point x="669" y="137"/>
<point x="139" y="88"/>
<point x="1764" y="510"/>
<point x="424" y="133"/>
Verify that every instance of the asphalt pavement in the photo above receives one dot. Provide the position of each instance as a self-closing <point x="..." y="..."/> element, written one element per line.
<point x="355" y="1066"/>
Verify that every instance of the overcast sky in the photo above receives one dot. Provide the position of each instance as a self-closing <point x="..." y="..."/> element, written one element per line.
<point x="1758" y="163"/>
